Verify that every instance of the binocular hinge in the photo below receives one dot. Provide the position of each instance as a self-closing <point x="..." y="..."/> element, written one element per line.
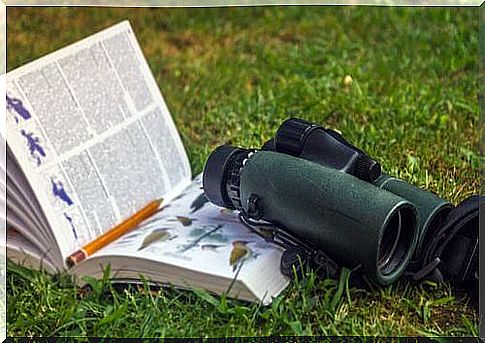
<point x="253" y="207"/>
<point x="273" y="234"/>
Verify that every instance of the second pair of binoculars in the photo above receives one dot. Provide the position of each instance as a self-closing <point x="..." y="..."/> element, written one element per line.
<point x="325" y="195"/>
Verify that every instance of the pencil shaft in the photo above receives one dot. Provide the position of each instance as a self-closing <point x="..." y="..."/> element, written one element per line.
<point x="115" y="233"/>
<point x="122" y="228"/>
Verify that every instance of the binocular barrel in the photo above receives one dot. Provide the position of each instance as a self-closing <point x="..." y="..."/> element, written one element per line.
<point x="353" y="221"/>
<point x="432" y="210"/>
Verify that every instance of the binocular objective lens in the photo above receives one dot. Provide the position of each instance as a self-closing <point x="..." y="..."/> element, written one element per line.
<point x="396" y="241"/>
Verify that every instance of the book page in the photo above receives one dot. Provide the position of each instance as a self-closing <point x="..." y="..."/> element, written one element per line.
<point x="26" y="254"/>
<point x="18" y="187"/>
<point x="192" y="233"/>
<point x="91" y="131"/>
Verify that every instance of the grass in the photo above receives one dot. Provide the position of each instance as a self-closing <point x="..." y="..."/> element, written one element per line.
<point x="231" y="76"/>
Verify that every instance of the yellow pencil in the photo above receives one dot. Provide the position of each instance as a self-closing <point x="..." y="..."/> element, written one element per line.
<point x="115" y="233"/>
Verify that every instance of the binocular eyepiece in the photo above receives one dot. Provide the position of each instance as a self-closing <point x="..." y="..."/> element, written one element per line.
<point x="221" y="177"/>
<point x="297" y="137"/>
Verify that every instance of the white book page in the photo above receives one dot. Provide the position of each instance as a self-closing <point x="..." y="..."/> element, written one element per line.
<point x="18" y="187"/>
<point x="26" y="254"/>
<point x="193" y="233"/>
<point x="91" y="131"/>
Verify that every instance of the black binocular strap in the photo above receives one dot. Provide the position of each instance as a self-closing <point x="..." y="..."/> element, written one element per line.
<point x="451" y="253"/>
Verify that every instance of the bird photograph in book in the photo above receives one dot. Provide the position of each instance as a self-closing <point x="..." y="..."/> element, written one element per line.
<point x="198" y="203"/>
<point x="240" y="253"/>
<point x="157" y="235"/>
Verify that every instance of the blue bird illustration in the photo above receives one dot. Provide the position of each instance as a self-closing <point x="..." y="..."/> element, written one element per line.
<point x="35" y="149"/>
<point x="59" y="191"/>
<point x="16" y="105"/>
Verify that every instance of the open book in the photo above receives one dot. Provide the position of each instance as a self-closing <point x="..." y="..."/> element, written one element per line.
<point x="90" y="141"/>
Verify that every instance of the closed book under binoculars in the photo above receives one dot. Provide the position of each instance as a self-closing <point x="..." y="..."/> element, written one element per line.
<point x="353" y="221"/>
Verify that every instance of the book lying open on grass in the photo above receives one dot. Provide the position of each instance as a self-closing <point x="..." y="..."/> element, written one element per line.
<point x="90" y="141"/>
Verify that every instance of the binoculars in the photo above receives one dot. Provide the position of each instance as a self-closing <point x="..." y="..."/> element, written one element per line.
<point x="321" y="194"/>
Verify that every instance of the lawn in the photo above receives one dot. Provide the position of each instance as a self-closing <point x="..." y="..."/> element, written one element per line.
<point x="231" y="75"/>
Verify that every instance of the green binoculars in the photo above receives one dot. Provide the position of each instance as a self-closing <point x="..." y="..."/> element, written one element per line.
<point x="313" y="185"/>
<point x="353" y="221"/>
<point x="327" y="147"/>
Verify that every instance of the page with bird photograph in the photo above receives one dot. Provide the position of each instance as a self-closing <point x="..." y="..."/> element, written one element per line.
<point x="202" y="242"/>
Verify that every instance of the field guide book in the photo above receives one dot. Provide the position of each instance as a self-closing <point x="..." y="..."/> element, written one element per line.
<point x="89" y="141"/>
